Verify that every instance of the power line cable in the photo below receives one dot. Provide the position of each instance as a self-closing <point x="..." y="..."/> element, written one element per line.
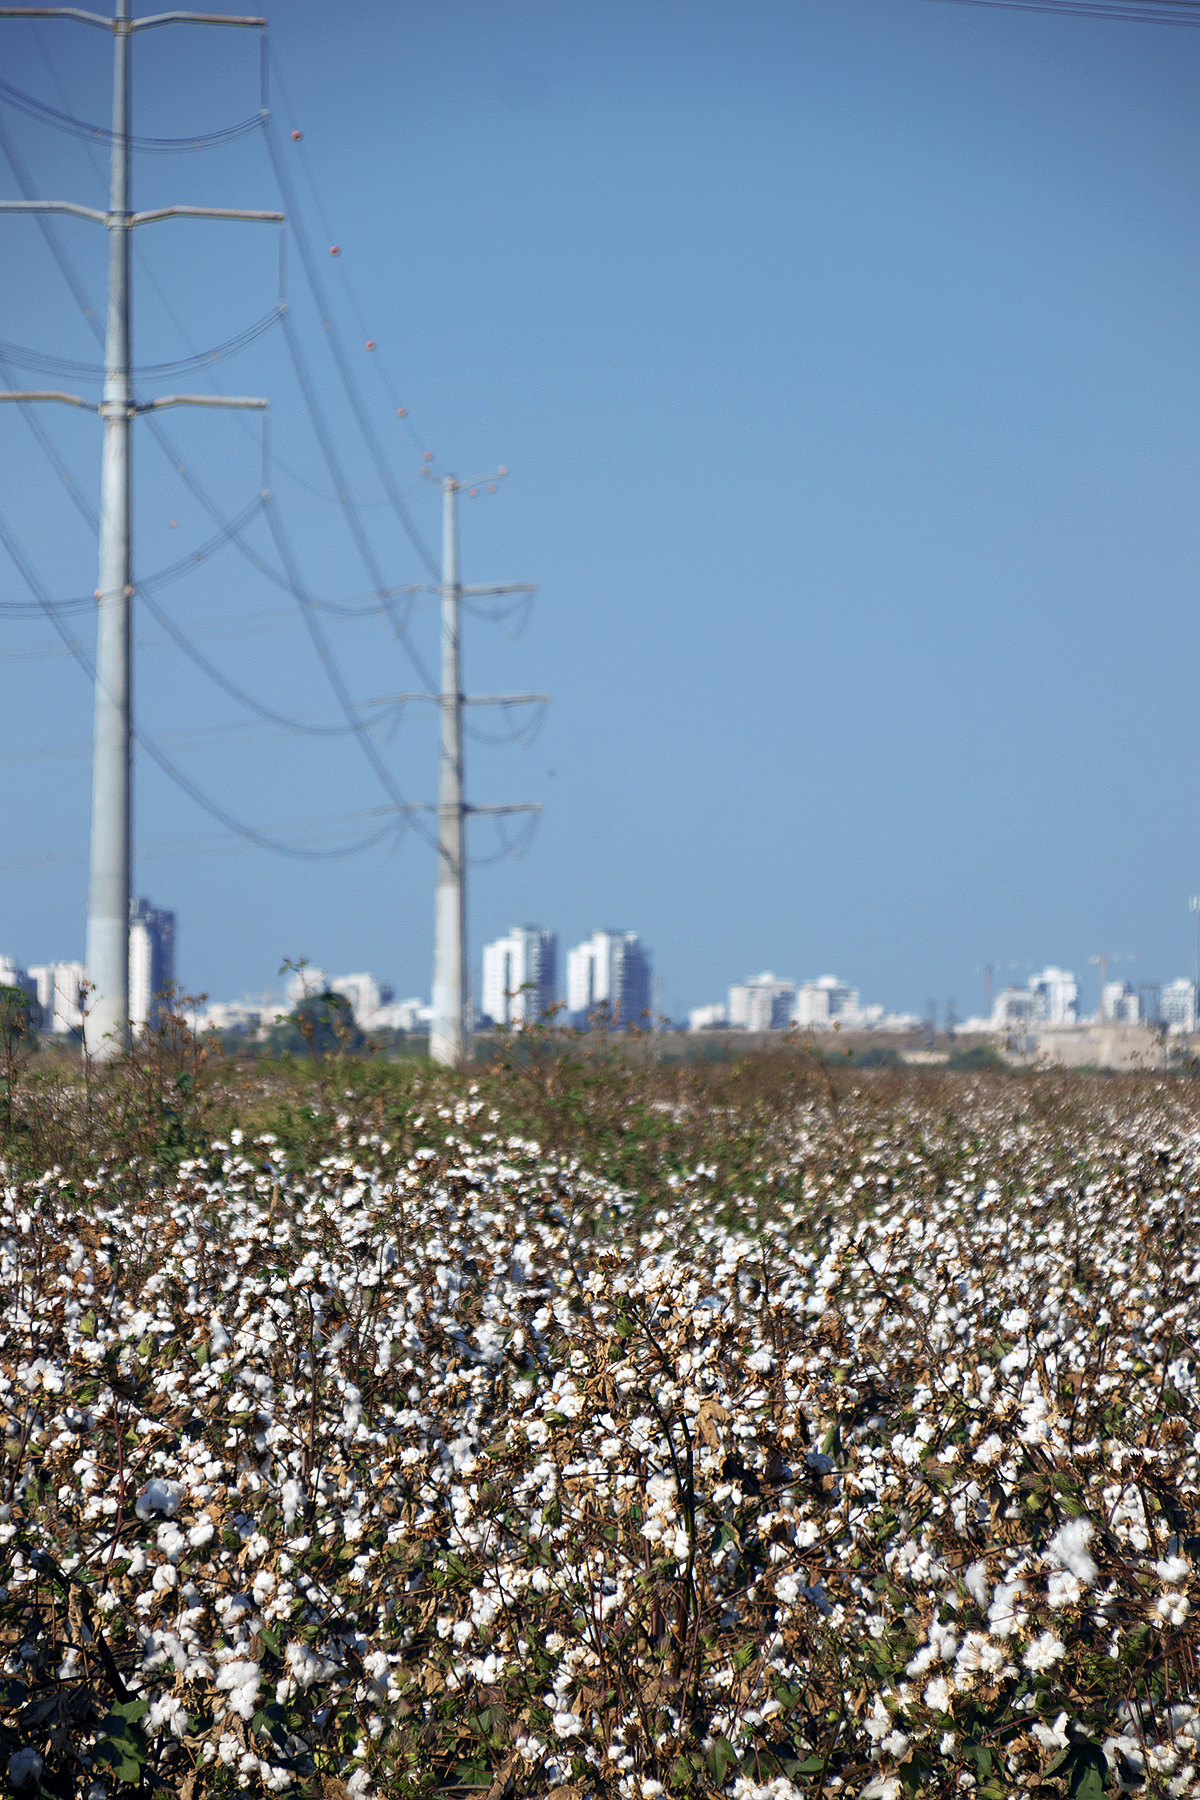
<point x="80" y="128"/>
<point x="33" y="582"/>
<point x="379" y="361"/>
<point x="337" y="475"/>
<point x="1139" y="12"/>
<point x="382" y="467"/>
<point x="332" y="672"/>
<point x="228" y="528"/>
<point x="25" y="358"/>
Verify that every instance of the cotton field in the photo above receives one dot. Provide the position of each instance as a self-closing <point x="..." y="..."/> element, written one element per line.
<point x="445" y="1461"/>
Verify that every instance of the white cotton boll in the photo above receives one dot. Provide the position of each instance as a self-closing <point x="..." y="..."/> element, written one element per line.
<point x="1043" y="1653"/>
<point x="1172" y="1569"/>
<point x="305" y="1666"/>
<point x="24" y="1765"/>
<point x="1064" y="1589"/>
<point x="1004" y="1615"/>
<point x="171" y="1540"/>
<point x="990" y="1451"/>
<point x="202" y="1534"/>
<point x="976" y="1583"/>
<point x="167" y="1713"/>
<point x="290" y="1498"/>
<point x="939" y="1694"/>
<point x="220" y="1340"/>
<point x="240" y="1680"/>
<point x="157" y="1496"/>
<point x="680" y="1546"/>
<point x="1069" y="1548"/>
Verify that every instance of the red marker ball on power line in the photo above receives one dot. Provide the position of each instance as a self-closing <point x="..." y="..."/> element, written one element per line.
<point x="296" y="136"/>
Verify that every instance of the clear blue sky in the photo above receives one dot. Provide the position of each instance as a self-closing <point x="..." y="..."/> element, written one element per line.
<point x="844" y="356"/>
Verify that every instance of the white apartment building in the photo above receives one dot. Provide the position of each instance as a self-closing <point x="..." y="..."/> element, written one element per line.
<point x="819" y="1003"/>
<point x="1055" y="997"/>
<point x="763" y="1003"/>
<point x="1119" y="1003"/>
<point x="611" y="970"/>
<point x="1014" y="1007"/>
<point x="707" y="1018"/>
<point x="1178" y="1005"/>
<point x="520" y="976"/>
<point x="151" y="961"/>
<point x="58" y="989"/>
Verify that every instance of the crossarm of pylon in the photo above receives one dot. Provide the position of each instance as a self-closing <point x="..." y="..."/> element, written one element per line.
<point x="186" y="18"/>
<point x="198" y="212"/>
<point x="506" y="699"/>
<point x="199" y="400"/>
<point x="533" y="806"/>
<point x="50" y="394"/>
<point x="45" y="206"/>
<point x="511" y="587"/>
<point x="56" y="12"/>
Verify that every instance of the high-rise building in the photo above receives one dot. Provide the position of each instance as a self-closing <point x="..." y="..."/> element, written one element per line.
<point x="59" y="986"/>
<point x="612" y="970"/>
<point x="1055" y="997"/>
<point x="763" y="1003"/>
<point x="520" y="976"/>
<point x="151" y="961"/>
<point x="821" y="1002"/>
<point x="1179" y="1005"/>
<point x="1119" y="1002"/>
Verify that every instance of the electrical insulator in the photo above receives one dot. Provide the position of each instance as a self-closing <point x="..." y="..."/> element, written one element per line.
<point x="172" y="523"/>
<point x="491" y="487"/>
<point x="296" y="136"/>
<point x="472" y="493"/>
<point x="333" y="249"/>
<point x="402" y="412"/>
<point x="502" y="470"/>
<point x="370" y="343"/>
<point x="428" y="456"/>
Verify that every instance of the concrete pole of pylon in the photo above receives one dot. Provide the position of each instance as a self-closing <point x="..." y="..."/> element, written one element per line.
<point x="450" y="1027"/>
<point x="109" y="868"/>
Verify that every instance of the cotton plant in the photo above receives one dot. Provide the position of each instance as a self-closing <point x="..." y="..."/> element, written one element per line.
<point x="461" y="1463"/>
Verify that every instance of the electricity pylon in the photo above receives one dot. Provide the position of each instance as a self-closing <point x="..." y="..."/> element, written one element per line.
<point x="450" y="1028"/>
<point x="107" y="952"/>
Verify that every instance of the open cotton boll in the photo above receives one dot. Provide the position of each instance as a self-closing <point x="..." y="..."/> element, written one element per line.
<point x="157" y="1496"/>
<point x="1069" y="1549"/>
<point x="24" y="1765"/>
<point x="241" y="1680"/>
